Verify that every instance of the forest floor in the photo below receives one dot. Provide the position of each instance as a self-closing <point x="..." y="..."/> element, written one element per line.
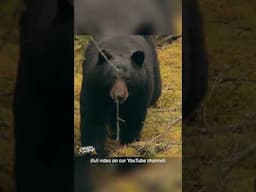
<point x="227" y="115"/>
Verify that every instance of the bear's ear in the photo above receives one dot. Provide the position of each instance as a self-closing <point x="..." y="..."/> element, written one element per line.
<point x="102" y="58"/>
<point x="138" y="58"/>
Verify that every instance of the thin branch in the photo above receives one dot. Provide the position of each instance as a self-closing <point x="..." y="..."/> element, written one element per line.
<point x="105" y="57"/>
<point x="170" y="125"/>
<point x="169" y="39"/>
<point x="237" y="159"/>
<point x="168" y="109"/>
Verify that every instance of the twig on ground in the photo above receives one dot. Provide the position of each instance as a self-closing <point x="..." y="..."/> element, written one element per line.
<point x="215" y="84"/>
<point x="170" y="125"/>
<point x="169" y="39"/>
<point x="237" y="159"/>
<point x="168" y="109"/>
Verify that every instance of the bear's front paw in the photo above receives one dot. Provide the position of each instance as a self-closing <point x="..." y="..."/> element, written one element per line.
<point x="127" y="140"/>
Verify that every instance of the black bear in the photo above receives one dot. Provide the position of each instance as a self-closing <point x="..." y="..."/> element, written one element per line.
<point x="194" y="59"/>
<point x="43" y="100"/>
<point x="123" y="69"/>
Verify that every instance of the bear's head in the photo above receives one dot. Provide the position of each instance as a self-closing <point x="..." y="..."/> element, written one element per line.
<point x="122" y="71"/>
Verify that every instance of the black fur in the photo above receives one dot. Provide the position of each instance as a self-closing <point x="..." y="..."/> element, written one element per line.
<point x="138" y="67"/>
<point x="194" y="59"/>
<point x="43" y="102"/>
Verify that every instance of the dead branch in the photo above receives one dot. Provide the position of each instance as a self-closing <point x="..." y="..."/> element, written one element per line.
<point x="170" y="126"/>
<point x="169" y="39"/>
<point x="168" y="109"/>
<point x="237" y="159"/>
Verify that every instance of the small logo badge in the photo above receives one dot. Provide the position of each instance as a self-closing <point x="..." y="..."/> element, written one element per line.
<point x="86" y="150"/>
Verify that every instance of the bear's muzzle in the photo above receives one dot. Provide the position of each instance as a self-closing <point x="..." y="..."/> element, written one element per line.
<point x="119" y="92"/>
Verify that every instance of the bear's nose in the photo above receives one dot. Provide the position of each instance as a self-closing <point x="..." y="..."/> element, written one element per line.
<point x="119" y="92"/>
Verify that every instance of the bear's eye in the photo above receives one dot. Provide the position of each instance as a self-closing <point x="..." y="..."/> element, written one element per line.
<point x="145" y="29"/>
<point x="113" y="77"/>
<point x="138" y="58"/>
<point x="128" y="79"/>
<point x="102" y="56"/>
